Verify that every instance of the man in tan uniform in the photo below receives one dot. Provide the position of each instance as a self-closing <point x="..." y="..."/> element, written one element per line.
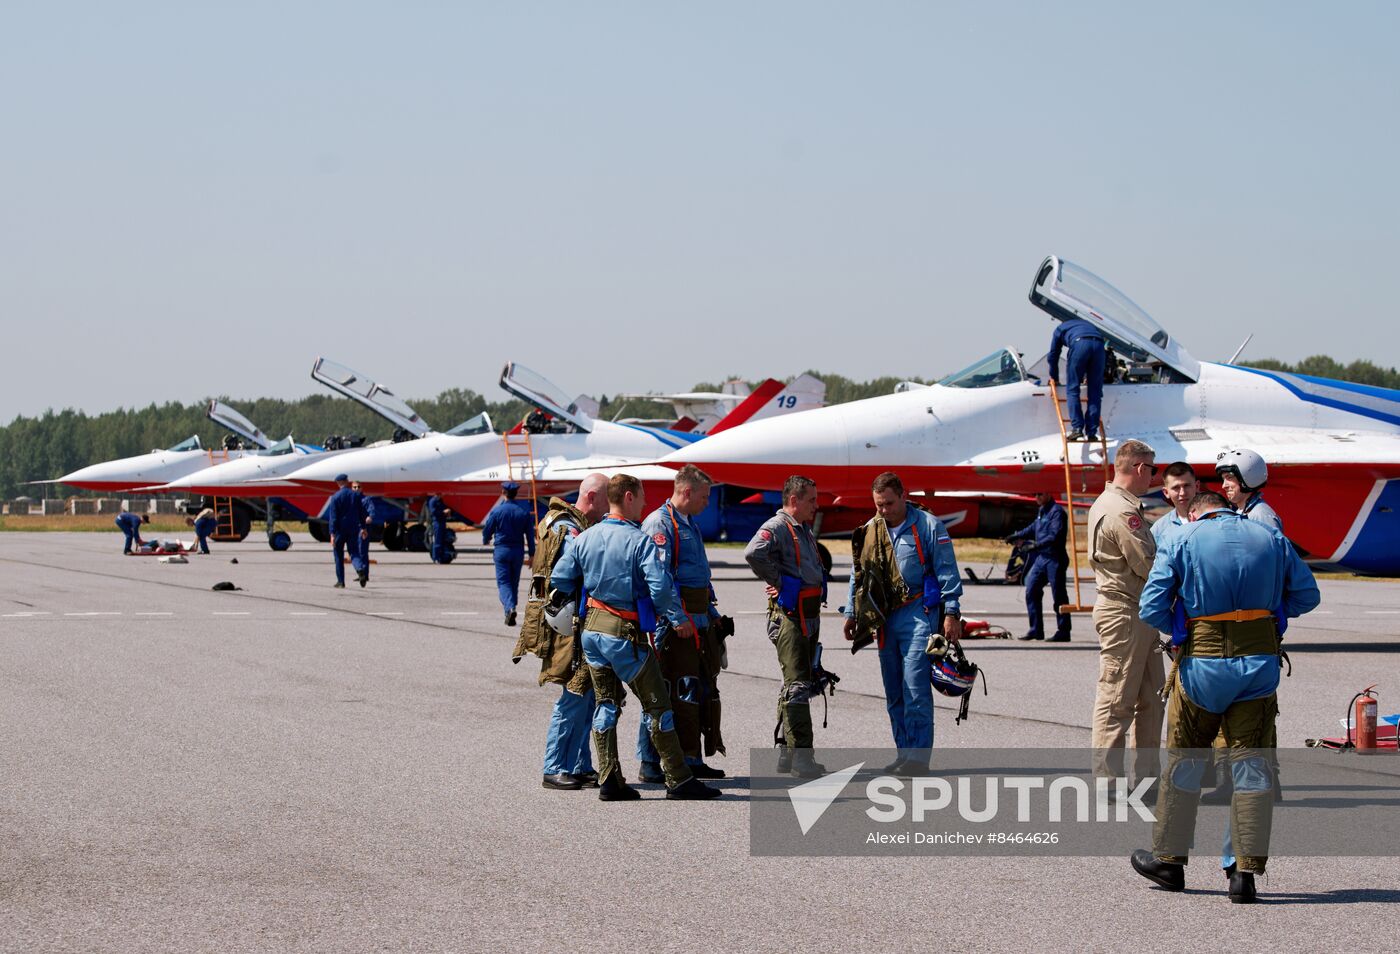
<point x="1131" y="672"/>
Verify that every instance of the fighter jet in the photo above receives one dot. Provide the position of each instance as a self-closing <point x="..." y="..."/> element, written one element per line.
<point x="555" y="447"/>
<point x="163" y="466"/>
<point x="1333" y="448"/>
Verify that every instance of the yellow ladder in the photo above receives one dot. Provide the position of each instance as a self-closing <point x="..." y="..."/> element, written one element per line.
<point x="1078" y="501"/>
<point x="519" y="452"/>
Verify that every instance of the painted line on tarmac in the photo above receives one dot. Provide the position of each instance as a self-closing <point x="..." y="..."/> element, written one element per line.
<point x="25" y="615"/>
<point x="92" y="614"/>
<point x="155" y="614"/>
<point x="1383" y="612"/>
<point x="384" y="613"/>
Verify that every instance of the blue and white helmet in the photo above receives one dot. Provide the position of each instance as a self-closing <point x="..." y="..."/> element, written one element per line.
<point x="953" y="675"/>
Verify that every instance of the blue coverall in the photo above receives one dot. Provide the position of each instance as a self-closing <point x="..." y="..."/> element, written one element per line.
<point x="346" y="513"/>
<point x="1218" y="563"/>
<point x="437" y="514"/>
<point x="691" y="568"/>
<point x="1087" y="357"/>
<point x="566" y="748"/>
<point x="203" y="527"/>
<point x="1047" y="562"/>
<point x="905" y="666"/>
<point x="130" y="524"/>
<point x="1260" y="512"/>
<point x="512" y="528"/>
<point x="615" y="563"/>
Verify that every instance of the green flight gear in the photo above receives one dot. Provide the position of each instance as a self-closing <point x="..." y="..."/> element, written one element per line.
<point x="561" y="656"/>
<point x="1250" y="733"/>
<point x="650" y="688"/>
<point x="879" y="588"/>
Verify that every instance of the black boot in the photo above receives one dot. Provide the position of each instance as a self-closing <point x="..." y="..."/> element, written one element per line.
<point x="692" y="789"/>
<point x="1169" y="876"/>
<point x="564" y="782"/>
<point x="1030" y="636"/>
<point x="587" y="779"/>
<point x="614" y="789"/>
<point x="362" y="576"/>
<point x="1241" y="886"/>
<point x="784" y="760"/>
<point x="651" y="772"/>
<point x="510" y="617"/>
<point x="804" y="766"/>
<point x="706" y="771"/>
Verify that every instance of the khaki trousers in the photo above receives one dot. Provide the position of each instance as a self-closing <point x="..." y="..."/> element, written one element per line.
<point x="1128" y="708"/>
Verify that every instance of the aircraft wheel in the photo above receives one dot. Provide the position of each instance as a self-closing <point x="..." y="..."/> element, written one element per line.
<point x="392" y="537"/>
<point x="242" y="523"/>
<point x="415" y="538"/>
<point x="280" y="540"/>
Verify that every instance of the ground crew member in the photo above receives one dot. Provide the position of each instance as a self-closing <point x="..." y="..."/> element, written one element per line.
<point x="1087" y="356"/>
<point x="368" y="507"/>
<point x="204" y="523"/>
<point x="346" y="515"/>
<point x="1179" y="487"/>
<point x="130" y="525"/>
<point x="568" y="763"/>
<point x="1232" y="576"/>
<point x="1121" y="549"/>
<point x="1047" y="562"/>
<point x="513" y="529"/>
<point x="690" y="653"/>
<point x="783" y="554"/>
<point x="1243" y="475"/>
<point x="437" y="523"/>
<point x="626" y="585"/>
<point x="912" y="543"/>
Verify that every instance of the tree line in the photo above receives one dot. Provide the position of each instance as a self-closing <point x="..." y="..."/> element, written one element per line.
<point x="59" y="442"/>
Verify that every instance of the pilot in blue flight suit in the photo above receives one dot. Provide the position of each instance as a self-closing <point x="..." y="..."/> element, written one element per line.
<point x="1048" y="561"/>
<point x="1234" y="581"/>
<point x="346" y="513"/>
<point x="130" y="525"/>
<point x="513" y="529"/>
<point x="1087" y="356"/>
<point x="923" y="552"/>
<point x="627" y="588"/>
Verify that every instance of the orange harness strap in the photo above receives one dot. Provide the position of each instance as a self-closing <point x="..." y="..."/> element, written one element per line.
<point x="620" y="613"/>
<point x="1234" y="616"/>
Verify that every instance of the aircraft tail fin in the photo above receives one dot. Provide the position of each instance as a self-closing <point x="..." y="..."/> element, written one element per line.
<point x="772" y="398"/>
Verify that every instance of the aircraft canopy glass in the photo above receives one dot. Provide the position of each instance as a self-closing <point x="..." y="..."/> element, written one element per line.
<point x="236" y="422"/>
<point x="480" y="424"/>
<point x="285" y="446"/>
<point x="1003" y="367"/>
<point x="374" y="396"/>
<point x="1065" y="290"/>
<point x="544" y="394"/>
<point x="188" y="444"/>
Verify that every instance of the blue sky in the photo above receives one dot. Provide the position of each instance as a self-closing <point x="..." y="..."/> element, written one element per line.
<point x="199" y="199"/>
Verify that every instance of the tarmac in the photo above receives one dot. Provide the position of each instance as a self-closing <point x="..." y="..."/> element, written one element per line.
<point x="293" y="767"/>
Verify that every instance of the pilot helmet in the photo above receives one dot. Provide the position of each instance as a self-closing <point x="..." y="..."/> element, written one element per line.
<point x="1246" y="466"/>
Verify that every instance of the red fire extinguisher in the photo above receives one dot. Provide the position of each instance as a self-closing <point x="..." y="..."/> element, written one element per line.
<point x="1364" y="720"/>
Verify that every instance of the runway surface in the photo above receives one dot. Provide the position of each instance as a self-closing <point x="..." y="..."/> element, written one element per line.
<point x="294" y="767"/>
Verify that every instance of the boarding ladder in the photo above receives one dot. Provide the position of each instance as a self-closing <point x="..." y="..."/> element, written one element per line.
<point x="1078" y="499"/>
<point x="520" y="454"/>
<point x="225" y="530"/>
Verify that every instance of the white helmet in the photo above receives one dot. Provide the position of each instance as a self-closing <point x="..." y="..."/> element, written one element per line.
<point x="560" y="613"/>
<point x="1246" y="466"/>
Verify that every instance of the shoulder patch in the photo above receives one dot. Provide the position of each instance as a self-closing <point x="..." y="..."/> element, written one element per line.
<point x="765" y="534"/>
<point x="1134" y="522"/>
<point x="574" y="531"/>
<point x="659" y="539"/>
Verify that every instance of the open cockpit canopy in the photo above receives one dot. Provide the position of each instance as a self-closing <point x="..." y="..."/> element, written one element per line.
<point x="1064" y="290"/>
<point x="533" y="388"/>
<point x="376" y="397"/>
